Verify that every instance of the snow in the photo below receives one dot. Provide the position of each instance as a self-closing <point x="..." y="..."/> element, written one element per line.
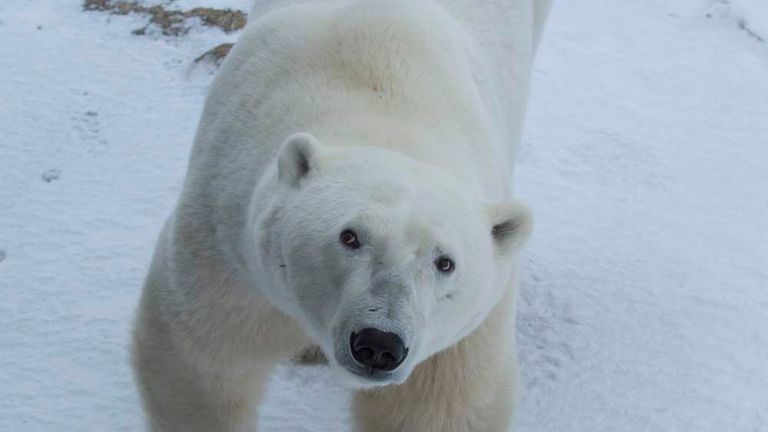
<point x="644" y="303"/>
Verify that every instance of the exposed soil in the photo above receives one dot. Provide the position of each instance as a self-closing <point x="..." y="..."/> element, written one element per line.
<point x="171" y="22"/>
<point x="216" y="54"/>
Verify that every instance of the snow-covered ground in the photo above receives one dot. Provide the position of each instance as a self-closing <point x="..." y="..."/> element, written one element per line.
<point x="644" y="304"/>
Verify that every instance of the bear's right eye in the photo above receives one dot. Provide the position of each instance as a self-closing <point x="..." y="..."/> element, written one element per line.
<point x="445" y="265"/>
<point x="349" y="239"/>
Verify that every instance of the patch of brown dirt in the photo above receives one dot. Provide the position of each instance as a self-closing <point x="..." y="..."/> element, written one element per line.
<point x="216" y="54"/>
<point x="171" y="22"/>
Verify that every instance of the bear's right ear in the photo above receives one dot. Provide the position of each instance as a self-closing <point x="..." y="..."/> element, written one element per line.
<point x="298" y="156"/>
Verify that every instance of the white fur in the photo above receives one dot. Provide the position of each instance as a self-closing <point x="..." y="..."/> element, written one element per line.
<point x="396" y="119"/>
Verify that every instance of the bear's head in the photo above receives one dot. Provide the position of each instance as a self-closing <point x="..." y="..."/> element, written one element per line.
<point x="382" y="259"/>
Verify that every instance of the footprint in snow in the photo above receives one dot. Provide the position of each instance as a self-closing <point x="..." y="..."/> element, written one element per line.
<point x="88" y="129"/>
<point x="544" y="325"/>
<point x="51" y="175"/>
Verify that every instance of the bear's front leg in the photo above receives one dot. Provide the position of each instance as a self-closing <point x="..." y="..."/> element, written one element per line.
<point x="469" y="387"/>
<point x="181" y="392"/>
<point x="180" y="397"/>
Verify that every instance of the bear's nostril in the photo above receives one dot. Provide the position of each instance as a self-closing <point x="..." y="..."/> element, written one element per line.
<point x="366" y="353"/>
<point x="377" y="349"/>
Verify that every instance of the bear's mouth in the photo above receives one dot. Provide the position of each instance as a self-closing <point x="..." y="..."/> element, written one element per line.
<point x="371" y="375"/>
<point x="366" y="375"/>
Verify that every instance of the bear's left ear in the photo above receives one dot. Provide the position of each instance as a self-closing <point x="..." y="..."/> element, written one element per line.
<point x="511" y="225"/>
<point x="297" y="157"/>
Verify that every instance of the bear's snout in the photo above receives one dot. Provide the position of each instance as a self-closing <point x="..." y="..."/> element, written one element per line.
<point x="378" y="350"/>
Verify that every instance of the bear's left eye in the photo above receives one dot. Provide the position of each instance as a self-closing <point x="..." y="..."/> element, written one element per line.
<point x="445" y="265"/>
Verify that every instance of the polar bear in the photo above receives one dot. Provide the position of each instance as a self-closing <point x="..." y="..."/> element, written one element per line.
<point x="348" y="189"/>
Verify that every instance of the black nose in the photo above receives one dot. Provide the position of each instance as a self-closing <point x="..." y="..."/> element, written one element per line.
<point x="378" y="349"/>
